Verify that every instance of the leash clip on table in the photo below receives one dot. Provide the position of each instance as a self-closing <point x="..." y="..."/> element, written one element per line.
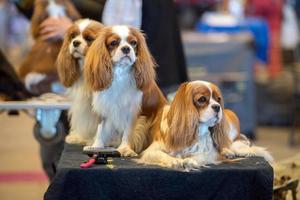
<point x="99" y="156"/>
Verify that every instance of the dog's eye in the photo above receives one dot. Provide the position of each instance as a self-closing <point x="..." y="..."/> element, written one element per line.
<point x="88" y="38"/>
<point x="114" y="43"/>
<point x="219" y="99"/>
<point x="202" y="99"/>
<point x="200" y="102"/>
<point x="73" y="35"/>
<point x="133" y="43"/>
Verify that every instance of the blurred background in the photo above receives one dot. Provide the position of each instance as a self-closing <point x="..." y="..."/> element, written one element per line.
<point x="250" y="48"/>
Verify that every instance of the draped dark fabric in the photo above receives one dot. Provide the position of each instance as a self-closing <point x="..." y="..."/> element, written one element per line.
<point x="10" y="85"/>
<point x="245" y="179"/>
<point x="160" y="24"/>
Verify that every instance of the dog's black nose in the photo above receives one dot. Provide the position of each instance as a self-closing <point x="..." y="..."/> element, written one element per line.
<point x="76" y="43"/>
<point x="216" y="108"/>
<point x="125" y="49"/>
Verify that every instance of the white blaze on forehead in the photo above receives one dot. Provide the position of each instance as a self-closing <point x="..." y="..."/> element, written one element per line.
<point x="207" y="84"/>
<point x="82" y="24"/>
<point x="122" y="31"/>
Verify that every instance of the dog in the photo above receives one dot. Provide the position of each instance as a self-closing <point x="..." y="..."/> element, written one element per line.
<point x="196" y="130"/>
<point x="70" y="61"/>
<point x="38" y="69"/>
<point x="121" y="71"/>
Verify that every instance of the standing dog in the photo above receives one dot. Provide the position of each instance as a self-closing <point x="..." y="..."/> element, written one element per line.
<point x="120" y="70"/>
<point x="70" y="61"/>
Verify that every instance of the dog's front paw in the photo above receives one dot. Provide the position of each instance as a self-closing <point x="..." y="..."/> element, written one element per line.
<point x="126" y="151"/>
<point x="245" y="154"/>
<point x="190" y="164"/>
<point x="228" y="153"/>
<point x="177" y="163"/>
<point x="89" y="142"/>
<point x="75" y="139"/>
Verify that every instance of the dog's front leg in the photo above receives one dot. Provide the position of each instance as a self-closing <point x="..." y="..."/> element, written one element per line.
<point x="98" y="141"/>
<point x="99" y="134"/>
<point x="124" y="148"/>
<point x="155" y="154"/>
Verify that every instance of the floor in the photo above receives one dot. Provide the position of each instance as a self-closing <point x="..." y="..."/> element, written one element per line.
<point x="21" y="175"/>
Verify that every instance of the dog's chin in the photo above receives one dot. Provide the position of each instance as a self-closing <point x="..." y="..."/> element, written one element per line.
<point x="212" y="121"/>
<point x="77" y="54"/>
<point x="125" y="61"/>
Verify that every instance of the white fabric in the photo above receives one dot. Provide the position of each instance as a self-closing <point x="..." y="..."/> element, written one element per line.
<point x="289" y="29"/>
<point x="123" y="12"/>
<point x="236" y="8"/>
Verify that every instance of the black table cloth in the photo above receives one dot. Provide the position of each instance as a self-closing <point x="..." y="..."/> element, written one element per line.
<point x="246" y="179"/>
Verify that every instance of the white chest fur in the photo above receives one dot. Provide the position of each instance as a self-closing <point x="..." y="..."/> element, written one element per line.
<point x="203" y="149"/>
<point x="120" y="103"/>
<point x="83" y="121"/>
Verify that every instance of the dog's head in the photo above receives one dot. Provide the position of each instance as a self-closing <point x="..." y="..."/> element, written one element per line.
<point x="121" y="46"/>
<point x="207" y="101"/>
<point x="77" y="41"/>
<point x="196" y="103"/>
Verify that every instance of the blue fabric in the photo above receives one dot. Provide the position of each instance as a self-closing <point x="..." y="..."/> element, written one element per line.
<point x="256" y="26"/>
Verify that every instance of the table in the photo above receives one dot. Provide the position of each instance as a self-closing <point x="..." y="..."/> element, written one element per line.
<point x="246" y="179"/>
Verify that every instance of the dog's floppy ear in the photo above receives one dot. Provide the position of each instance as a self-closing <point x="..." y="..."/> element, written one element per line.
<point x="67" y="66"/>
<point x="144" y="67"/>
<point x="98" y="63"/>
<point x="219" y="131"/>
<point x="182" y="120"/>
<point x="220" y="135"/>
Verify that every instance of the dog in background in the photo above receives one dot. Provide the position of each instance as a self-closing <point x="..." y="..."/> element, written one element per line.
<point x="77" y="41"/>
<point x="195" y="130"/>
<point x="121" y="71"/>
<point x="38" y="69"/>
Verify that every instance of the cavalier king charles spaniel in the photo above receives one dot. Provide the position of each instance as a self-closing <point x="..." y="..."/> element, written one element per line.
<point x="77" y="41"/>
<point x="121" y="71"/>
<point x="196" y="130"/>
<point x="39" y="65"/>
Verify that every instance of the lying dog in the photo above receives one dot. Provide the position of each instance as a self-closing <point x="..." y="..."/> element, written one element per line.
<point x="196" y="130"/>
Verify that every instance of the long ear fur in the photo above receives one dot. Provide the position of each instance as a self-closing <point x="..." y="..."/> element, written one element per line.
<point x="219" y="132"/>
<point x="182" y="120"/>
<point x="220" y="135"/>
<point x="98" y="64"/>
<point x="67" y="67"/>
<point x="144" y="67"/>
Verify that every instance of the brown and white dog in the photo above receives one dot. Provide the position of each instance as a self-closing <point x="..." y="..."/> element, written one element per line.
<point x="39" y="64"/>
<point x="77" y="41"/>
<point x="196" y="130"/>
<point x="121" y="71"/>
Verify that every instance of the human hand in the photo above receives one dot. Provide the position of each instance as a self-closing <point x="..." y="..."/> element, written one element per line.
<point x="54" y="28"/>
